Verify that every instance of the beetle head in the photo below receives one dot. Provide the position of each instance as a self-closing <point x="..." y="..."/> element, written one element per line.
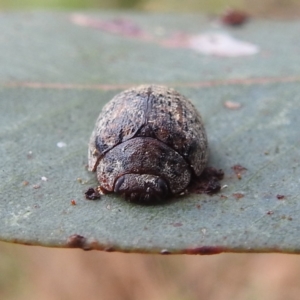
<point x="144" y="188"/>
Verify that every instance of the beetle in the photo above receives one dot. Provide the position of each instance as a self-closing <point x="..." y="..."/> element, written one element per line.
<point x="148" y="143"/>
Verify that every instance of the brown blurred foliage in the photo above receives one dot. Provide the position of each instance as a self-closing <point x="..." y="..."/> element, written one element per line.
<point x="48" y="274"/>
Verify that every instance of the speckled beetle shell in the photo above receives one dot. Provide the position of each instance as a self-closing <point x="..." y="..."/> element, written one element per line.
<point x="148" y="142"/>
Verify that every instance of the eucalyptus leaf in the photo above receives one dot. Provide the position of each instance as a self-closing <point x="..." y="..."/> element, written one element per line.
<point x="56" y="76"/>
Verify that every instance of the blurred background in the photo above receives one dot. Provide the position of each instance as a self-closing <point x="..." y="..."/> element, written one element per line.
<point x="33" y="273"/>
<point x="42" y="273"/>
<point x="285" y="8"/>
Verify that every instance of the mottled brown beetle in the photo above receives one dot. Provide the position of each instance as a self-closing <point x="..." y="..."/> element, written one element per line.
<point x="147" y="144"/>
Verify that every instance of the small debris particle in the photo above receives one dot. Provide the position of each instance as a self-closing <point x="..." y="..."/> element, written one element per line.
<point x="280" y="197"/>
<point x="25" y="183"/>
<point x="101" y="191"/>
<point x="232" y="105"/>
<point x="238" y="195"/>
<point x="73" y="202"/>
<point x="198" y="206"/>
<point x="208" y="182"/>
<point x="44" y="178"/>
<point x="223" y="196"/>
<point x="80" y="180"/>
<point x="234" y="17"/>
<point x="92" y="194"/>
<point x="203" y="230"/>
<point x="290" y="218"/>
<point x="270" y="212"/>
<point x="108" y="207"/>
<point x="165" y="251"/>
<point x="267" y="153"/>
<point x="224" y="187"/>
<point x="29" y="155"/>
<point x="36" y="186"/>
<point x="61" y="144"/>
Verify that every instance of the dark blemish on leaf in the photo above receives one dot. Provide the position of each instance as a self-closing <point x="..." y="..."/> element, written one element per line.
<point x="208" y="182"/>
<point x="165" y="251"/>
<point x="205" y="250"/>
<point x="280" y="197"/>
<point x="234" y="17"/>
<point x="238" y="195"/>
<point x="92" y="194"/>
<point x="238" y="168"/>
<point x="109" y="249"/>
<point x="176" y="224"/>
<point x="76" y="241"/>
<point x="270" y="212"/>
<point x="290" y="218"/>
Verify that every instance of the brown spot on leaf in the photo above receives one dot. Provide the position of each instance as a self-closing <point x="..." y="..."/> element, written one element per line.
<point x="109" y="249"/>
<point x="238" y="170"/>
<point x="238" y="195"/>
<point x="234" y="17"/>
<point x="205" y="250"/>
<point x="76" y="241"/>
<point x="165" y="251"/>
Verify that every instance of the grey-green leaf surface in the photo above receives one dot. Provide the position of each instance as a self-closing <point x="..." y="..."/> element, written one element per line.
<point x="55" y="77"/>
